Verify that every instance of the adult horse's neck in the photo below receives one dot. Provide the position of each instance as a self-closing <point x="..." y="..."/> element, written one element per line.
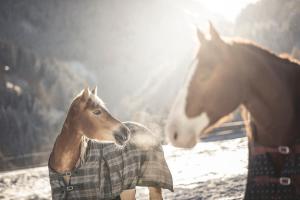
<point x="66" y="150"/>
<point x="271" y="95"/>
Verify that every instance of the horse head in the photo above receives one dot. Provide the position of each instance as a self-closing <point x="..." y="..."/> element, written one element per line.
<point x="213" y="91"/>
<point x="89" y="116"/>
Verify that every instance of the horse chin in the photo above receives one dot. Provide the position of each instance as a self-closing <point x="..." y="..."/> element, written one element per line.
<point x="185" y="141"/>
<point x="184" y="145"/>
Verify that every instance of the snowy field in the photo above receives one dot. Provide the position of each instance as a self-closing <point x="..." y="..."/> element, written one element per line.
<point x="211" y="170"/>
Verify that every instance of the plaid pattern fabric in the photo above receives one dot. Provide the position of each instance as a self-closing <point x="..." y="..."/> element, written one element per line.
<point x="107" y="170"/>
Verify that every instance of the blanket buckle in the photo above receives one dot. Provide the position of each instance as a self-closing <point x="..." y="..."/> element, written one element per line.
<point x="284" y="149"/>
<point x="285" y="181"/>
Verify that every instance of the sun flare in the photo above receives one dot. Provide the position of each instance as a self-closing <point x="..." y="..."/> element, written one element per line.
<point x="228" y="9"/>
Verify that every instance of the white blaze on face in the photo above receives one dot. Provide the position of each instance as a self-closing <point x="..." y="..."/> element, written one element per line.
<point x="181" y="130"/>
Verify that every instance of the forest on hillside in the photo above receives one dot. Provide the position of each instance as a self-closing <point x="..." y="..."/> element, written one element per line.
<point x="274" y="24"/>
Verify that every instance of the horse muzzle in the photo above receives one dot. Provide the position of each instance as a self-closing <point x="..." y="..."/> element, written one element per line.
<point x="122" y="135"/>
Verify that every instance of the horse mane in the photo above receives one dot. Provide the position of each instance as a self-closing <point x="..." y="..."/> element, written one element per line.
<point x="283" y="57"/>
<point x="285" y="61"/>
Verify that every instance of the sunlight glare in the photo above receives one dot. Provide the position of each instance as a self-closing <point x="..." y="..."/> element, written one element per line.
<point x="228" y="9"/>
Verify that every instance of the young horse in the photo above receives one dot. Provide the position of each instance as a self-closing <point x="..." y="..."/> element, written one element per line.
<point x="80" y="167"/>
<point x="83" y="119"/>
<point x="233" y="74"/>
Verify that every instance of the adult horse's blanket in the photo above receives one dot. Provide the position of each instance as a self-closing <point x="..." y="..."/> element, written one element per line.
<point x="264" y="183"/>
<point x="107" y="170"/>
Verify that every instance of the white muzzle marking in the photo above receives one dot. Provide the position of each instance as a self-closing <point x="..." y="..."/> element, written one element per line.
<point x="183" y="131"/>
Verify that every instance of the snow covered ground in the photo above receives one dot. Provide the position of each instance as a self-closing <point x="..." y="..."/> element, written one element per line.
<point x="211" y="170"/>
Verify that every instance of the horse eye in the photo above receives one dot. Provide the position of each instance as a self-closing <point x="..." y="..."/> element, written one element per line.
<point x="97" y="112"/>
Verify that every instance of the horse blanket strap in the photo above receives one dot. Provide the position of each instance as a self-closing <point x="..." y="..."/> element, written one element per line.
<point x="258" y="150"/>
<point x="107" y="170"/>
<point x="284" y="181"/>
<point x="265" y="182"/>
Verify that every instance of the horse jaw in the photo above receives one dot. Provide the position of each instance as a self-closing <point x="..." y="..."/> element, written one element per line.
<point x="182" y="131"/>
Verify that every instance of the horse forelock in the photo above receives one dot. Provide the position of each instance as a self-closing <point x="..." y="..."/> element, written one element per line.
<point x="94" y="102"/>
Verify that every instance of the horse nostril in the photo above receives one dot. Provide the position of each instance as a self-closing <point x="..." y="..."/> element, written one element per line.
<point x="175" y="136"/>
<point x="118" y="137"/>
<point x="125" y="132"/>
<point x="125" y="136"/>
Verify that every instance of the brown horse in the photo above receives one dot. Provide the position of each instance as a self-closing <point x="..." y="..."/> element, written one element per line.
<point x="83" y="119"/>
<point x="89" y="118"/>
<point x="239" y="73"/>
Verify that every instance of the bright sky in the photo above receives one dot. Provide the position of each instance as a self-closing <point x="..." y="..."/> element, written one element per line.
<point x="227" y="8"/>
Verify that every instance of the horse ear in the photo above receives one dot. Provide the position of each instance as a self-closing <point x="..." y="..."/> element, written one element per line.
<point x="85" y="94"/>
<point x="201" y="36"/>
<point x="94" y="91"/>
<point x="213" y="33"/>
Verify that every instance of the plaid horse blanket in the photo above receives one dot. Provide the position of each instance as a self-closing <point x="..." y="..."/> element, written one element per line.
<point x="106" y="170"/>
